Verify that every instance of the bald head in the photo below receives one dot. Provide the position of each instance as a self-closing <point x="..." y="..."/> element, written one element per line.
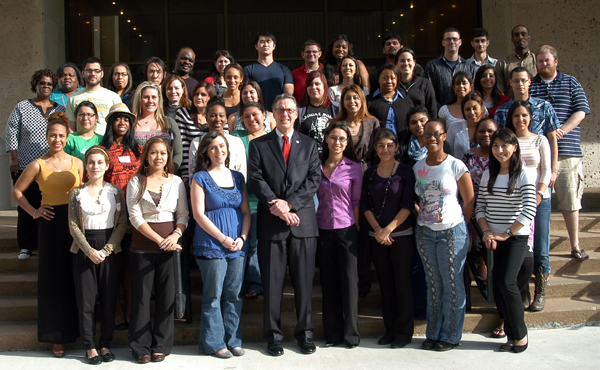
<point x="184" y="63"/>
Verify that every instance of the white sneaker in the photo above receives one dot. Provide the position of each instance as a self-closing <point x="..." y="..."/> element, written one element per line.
<point x="24" y="254"/>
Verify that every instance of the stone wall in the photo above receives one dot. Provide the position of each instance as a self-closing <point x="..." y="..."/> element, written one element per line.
<point x="571" y="27"/>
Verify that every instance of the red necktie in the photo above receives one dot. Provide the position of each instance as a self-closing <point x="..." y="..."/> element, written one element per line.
<point x="286" y="148"/>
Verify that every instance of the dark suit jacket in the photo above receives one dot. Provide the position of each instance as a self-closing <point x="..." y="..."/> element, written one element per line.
<point x="296" y="183"/>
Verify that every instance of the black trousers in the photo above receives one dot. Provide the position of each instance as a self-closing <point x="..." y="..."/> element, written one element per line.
<point x="151" y="270"/>
<point x="363" y="256"/>
<point x="273" y="258"/>
<point x="93" y="280"/>
<point x="27" y="234"/>
<point x="393" y="264"/>
<point x="508" y="258"/>
<point x="336" y="255"/>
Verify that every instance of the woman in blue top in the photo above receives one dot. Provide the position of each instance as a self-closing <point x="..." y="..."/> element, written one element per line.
<point x="220" y="204"/>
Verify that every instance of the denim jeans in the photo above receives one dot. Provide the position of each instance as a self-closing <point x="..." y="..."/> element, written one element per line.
<point x="221" y="304"/>
<point x="541" y="237"/>
<point x="444" y="253"/>
<point x="252" y="279"/>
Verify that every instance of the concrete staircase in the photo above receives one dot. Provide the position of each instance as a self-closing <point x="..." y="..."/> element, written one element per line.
<point x="573" y="294"/>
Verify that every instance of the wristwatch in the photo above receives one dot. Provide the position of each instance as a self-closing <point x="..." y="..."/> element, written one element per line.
<point x="510" y="233"/>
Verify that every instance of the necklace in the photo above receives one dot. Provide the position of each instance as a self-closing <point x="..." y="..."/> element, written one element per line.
<point x="99" y="194"/>
<point x="53" y="164"/>
<point x="354" y="127"/>
<point x="387" y="186"/>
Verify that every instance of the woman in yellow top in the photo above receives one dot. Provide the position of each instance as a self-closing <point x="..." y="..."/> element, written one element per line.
<point x="56" y="173"/>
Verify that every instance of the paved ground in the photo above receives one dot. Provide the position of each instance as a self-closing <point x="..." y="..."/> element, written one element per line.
<point x="571" y="348"/>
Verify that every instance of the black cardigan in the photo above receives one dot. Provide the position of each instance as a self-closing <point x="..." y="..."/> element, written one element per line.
<point x="379" y="108"/>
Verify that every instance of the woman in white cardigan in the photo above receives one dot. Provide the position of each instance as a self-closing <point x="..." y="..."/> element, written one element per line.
<point x="158" y="210"/>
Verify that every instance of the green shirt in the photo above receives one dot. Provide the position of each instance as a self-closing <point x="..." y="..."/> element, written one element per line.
<point x="252" y="199"/>
<point x="77" y="146"/>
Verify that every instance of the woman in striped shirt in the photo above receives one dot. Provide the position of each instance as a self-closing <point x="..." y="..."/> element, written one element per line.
<point x="535" y="151"/>
<point x="506" y="206"/>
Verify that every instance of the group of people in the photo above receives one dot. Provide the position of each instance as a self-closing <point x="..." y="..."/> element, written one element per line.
<point x="324" y="166"/>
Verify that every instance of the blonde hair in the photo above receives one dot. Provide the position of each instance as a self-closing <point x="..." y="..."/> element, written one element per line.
<point x="547" y="49"/>
<point x="159" y="114"/>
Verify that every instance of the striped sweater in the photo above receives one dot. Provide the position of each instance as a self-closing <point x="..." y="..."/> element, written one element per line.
<point x="502" y="210"/>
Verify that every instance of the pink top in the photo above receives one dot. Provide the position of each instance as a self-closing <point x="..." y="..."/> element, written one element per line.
<point x="338" y="195"/>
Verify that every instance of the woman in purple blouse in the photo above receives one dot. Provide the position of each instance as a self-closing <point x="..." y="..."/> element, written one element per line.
<point x="387" y="201"/>
<point x="339" y="201"/>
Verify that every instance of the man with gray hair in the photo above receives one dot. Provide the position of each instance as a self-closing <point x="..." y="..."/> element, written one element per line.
<point x="285" y="174"/>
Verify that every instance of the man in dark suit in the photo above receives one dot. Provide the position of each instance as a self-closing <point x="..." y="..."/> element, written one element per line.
<point x="285" y="174"/>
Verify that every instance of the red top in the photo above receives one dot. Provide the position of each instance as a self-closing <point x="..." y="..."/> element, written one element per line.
<point x="492" y="110"/>
<point x="122" y="167"/>
<point x="300" y="80"/>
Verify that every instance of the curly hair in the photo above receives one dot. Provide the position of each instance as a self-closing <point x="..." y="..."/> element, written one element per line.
<point x="37" y="77"/>
<point x="58" y="118"/>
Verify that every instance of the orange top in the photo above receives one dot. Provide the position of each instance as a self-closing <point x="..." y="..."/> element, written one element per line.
<point x="56" y="186"/>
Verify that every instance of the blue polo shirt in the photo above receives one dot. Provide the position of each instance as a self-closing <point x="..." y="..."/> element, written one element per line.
<point x="390" y="121"/>
<point x="544" y="118"/>
<point x="566" y="95"/>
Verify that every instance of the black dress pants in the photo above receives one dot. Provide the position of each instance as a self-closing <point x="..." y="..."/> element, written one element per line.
<point x="508" y="258"/>
<point x="151" y="270"/>
<point x="27" y="234"/>
<point x="336" y="255"/>
<point x="273" y="258"/>
<point x="393" y="264"/>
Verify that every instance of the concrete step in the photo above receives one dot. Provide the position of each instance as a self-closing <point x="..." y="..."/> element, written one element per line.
<point x="559" y="312"/>
<point x="562" y="263"/>
<point x="588" y="221"/>
<point x="18" y="284"/>
<point x="10" y="263"/>
<point x="588" y="240"/>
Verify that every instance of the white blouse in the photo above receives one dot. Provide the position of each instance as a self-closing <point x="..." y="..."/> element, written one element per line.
<point x="98" y="213"/>
<point x="535" y="151"/>
<point x="172" y="204"/>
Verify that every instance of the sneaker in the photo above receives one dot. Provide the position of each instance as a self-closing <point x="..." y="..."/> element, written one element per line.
<point x="24" y="254"/>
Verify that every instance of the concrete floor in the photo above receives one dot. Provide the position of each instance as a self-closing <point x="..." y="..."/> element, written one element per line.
<point x="570" y="348"/>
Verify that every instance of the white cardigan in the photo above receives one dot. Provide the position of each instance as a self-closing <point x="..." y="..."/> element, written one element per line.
<point x="172" y="205"/>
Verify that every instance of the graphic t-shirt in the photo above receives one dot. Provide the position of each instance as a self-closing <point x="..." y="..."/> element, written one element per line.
<point x="103" y="99"/>
<point x="437" y="189"/>
<point x="314" y="123"/>
<point x="122" y="166"/>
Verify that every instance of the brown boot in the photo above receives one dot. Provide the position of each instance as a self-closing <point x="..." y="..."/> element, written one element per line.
<point x="526" y="297"/>
<point x="540" y="291"/>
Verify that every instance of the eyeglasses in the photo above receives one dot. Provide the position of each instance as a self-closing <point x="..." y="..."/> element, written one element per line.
<point x="333" y="139"/>
<point x="44" y="83"/>
<point x="120" y="74"/>
<point x="85" y="115"/>
<point x="90" y="71"/>
<point x="289" y="111"/>
<point x="451" y="39"/>
<point x="436" y="135"/>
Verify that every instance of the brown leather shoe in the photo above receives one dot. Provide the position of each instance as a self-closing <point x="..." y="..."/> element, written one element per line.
<point x="144" y="359"/>
<point x="59" y="350"/>
<point x="158" y="357"/>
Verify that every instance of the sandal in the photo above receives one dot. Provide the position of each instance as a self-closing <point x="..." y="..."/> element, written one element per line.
<point x="580" y="255"/>
<point x="59" y="350"/>
<point x="253" y="294"/>
<point x="498" y="333"/>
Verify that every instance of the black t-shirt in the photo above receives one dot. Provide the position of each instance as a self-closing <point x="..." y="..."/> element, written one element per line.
<point x="314" y="122"/>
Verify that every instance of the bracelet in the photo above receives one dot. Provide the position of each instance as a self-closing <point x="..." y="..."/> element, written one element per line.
<point x="224" y="240"/>
<point x="178" y="232"/>
<point x="239" y="237"/>
<point x="486" y="231"/>
<point x="34" y="211"/>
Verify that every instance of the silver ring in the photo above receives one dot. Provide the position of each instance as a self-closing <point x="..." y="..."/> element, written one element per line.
<point x="45" y="213"/>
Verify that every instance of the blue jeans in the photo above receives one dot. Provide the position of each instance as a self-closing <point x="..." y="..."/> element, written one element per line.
<point x="252" y="280"/>
<point x="541" y="237"/>
<point x="221" y="304"/>
<point x="444" y="253"/>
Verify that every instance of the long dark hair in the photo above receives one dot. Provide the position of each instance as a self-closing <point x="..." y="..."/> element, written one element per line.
<point x="128" y="139"/>
<point x="388" y="134"/>
<point x="142" y="171"/>
<point x="202" y="159"/>
<point x="513" y="108"/>
<point x="129" y="86"/>
<point x="330" y="67"/>
<point x="212" y="69"/>
<point x="515" y="167"/>
<point x="256" y="87"/>
<point x="356" y="78"/>
<point x="459" y="76"/>
<point x="348" y="152"/>
<point x="210" y="89"/>
<point x="477" y="84"/>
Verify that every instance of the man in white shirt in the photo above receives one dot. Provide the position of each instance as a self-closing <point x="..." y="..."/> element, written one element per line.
<point x="102" y="98"/>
